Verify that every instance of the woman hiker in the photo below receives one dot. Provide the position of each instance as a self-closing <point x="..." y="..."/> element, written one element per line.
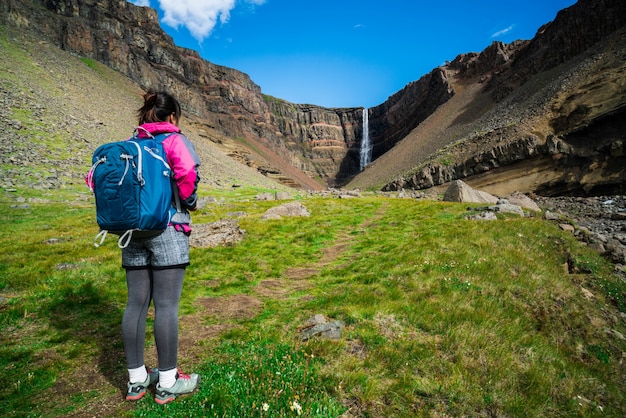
<point x="155" y="266"/>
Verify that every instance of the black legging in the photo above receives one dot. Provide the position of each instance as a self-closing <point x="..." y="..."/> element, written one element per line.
<point x="164" y="287"/>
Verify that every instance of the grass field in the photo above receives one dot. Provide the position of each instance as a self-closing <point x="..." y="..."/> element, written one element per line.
<point x="443" y="316"/>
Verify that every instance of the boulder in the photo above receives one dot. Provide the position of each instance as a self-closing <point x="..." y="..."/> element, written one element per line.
<point x="505" y="206"/>
<point x="287" y="209"/>
<point x="265" y="196"/>
<point x="223" y="232"/>
<point x="520" y="199"/>
<point x="459" y="191"/>
<point x="551" y="216"/>
<point x="283" y="196"/>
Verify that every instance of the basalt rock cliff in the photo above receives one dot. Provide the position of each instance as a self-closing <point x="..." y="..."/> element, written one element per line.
<point x="301" y="145"/>
<point x="544" y="115"/>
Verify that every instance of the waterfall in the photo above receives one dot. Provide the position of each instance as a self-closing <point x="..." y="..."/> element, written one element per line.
<point x="366" y="147"/>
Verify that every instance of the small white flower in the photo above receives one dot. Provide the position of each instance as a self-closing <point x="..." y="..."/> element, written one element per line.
<point x="266" y="406"/>
<point x="295" y="406"/>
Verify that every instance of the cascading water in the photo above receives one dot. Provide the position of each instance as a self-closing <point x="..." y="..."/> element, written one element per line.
<point x="366" y="147"/>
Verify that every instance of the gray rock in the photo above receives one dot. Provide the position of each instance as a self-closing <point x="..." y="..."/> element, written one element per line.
<point x="550" y="216"/>
<point x="223" y="232"/>
<point x="599" y="237"/>
<point x="520" y="199"/>
<point x="509" y="208"/>
<point x="321" y="326"/>
<point x="283" y="196"/>
<point x="265" y="196"/>
<point x="483" y="216"/>
<point x="287" y="209"/>
<point x="616" y="251"/>
<point x="598" y="247"/>
<point x="459" y="191"/>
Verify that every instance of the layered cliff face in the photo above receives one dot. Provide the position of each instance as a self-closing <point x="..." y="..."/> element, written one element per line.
<point x="543" y="116"/>
<point x="305" y="146"/>
<point x="326" y="140"/>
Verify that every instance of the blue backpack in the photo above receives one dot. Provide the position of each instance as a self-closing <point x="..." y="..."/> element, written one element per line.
<point x="132" y="183"/>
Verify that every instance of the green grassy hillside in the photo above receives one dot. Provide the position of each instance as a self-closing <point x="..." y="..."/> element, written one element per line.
<point x="443" y="316"/>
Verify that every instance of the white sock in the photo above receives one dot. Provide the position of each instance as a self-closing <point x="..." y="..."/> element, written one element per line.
<point x="138" y="375"/>
<point x="167" y="378"/>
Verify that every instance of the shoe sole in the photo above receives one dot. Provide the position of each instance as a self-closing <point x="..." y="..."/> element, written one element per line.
<point x="150" y="382"/>
<point x="135" y="397"/>
<point x="163" y="401"/>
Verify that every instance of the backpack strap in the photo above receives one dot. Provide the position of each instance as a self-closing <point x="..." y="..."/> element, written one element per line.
<point x="101" y="235"/>
<point x="122" y="242"/>
<point x="125" y="239"/>
<point x="179" y="207"/>
<point x="162" y="137"/>
<point x="136" y="132"/>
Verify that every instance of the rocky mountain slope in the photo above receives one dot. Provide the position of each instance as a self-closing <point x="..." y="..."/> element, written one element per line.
<point x="542" y="116"/>
<point x="55" y="109"/>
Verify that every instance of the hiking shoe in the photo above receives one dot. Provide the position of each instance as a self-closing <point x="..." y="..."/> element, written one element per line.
<point x="138" y="390"/>
<point x="184" y="384"/>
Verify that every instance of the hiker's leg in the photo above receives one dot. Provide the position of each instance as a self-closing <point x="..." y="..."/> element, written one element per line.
<point x="168" y="285"/>
<point x="139" y="283"/>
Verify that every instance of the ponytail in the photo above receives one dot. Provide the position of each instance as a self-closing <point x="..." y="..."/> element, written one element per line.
<point x="157" y="107"/>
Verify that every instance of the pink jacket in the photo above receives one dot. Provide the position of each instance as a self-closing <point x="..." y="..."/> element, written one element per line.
<point x="182" y="158"/>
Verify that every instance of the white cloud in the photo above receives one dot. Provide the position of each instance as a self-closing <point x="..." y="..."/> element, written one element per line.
<point x="199" y="16"/>
<point x="503" y="31"/>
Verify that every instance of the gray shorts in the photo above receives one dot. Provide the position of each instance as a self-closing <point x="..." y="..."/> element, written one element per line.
<point x="167" y="250"/>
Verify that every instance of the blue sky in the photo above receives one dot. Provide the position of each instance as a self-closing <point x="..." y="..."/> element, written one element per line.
<point x="350" y="53"/>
